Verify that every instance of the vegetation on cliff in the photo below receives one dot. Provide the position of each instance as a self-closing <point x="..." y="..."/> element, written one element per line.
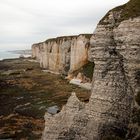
<point x="131" y="10"/>
<point x="128" y="10"/>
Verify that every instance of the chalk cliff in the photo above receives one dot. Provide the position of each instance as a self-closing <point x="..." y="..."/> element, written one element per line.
<point x="63" y="54"/>
<point x="115" y="50"/>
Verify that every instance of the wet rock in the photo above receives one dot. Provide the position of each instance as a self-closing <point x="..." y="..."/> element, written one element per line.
<point x="53" y="110"/>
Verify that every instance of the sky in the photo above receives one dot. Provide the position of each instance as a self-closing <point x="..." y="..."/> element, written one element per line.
<point x="24" y="22"/>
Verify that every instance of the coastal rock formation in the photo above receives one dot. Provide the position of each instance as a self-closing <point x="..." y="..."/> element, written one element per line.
<point x="62" y="54"/>
<point x="115" y="50"/>
<point x="66" y="117"/>
<point x="36" y="51"/>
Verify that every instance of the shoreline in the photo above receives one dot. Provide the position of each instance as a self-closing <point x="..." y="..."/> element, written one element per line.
<point x="13" y="54"/>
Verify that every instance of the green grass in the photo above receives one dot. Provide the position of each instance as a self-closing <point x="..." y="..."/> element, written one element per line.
<point x="131" y="10"/>
<point x="128" y="10"/>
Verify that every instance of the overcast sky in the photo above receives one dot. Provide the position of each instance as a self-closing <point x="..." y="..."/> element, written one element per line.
<point x="24" y="22"/>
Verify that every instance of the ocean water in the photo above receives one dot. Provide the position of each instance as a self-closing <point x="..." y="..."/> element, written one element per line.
<point x="8" y="55"/>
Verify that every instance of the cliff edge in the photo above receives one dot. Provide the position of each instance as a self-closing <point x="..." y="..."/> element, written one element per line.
<point x="115" y="50"/>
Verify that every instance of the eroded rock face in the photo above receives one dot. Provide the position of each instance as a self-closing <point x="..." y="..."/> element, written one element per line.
<point x="79" y="53"/>
<point x="36" y="51"/>
<point x="115" y="50"/>
<point x="116" y="54"/>
<point x="62" y="54"/>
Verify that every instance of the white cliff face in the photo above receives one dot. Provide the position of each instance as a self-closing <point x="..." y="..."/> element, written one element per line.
<point x="79" y="52"/>
<point x="115" y="50"/>
<point x="63" y="54"/>
<point x="36" y="51"/>
<point x="49" y="55"/>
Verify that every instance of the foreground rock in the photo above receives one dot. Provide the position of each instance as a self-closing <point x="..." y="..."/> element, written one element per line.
<point x="115" y="50"/>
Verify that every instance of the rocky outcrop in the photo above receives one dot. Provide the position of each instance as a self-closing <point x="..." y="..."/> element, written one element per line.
<point x="65" y="117"/>
<point x="115" y="50"/>
<point x="63" y="54"/>
<point x="117" y="58"/>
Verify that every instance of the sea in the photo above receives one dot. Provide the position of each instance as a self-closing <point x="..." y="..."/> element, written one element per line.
<point x="4" y="54"/>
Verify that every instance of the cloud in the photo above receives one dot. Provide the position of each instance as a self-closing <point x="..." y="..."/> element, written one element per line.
<point x="27" y="21"/>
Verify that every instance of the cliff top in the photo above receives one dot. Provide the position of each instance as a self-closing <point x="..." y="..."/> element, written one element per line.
<point x="58" y="39"/>
<point x="64" y="38"/>
<point x="129" y="10"/>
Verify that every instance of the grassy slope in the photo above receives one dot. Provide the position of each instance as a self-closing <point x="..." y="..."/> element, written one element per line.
<point x="128" y="10"/>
